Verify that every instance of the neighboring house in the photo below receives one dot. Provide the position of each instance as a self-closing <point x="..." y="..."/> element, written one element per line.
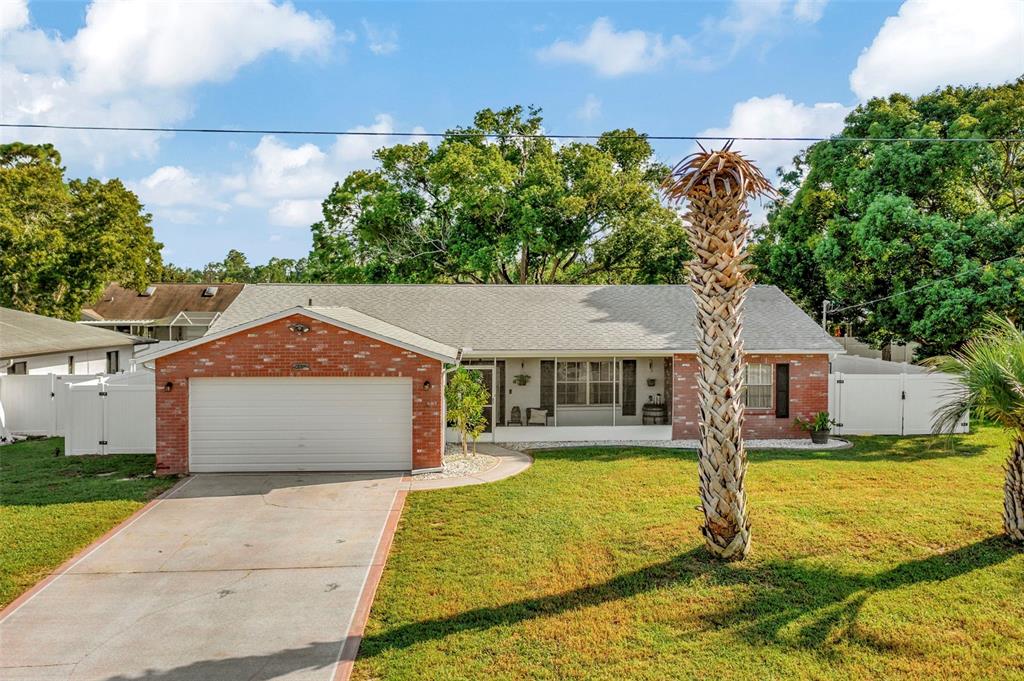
<point x="334" y="377"/>
<point x="33" y="344"/>
<point x="893" y="352"/>
<point x="162" y="311"/>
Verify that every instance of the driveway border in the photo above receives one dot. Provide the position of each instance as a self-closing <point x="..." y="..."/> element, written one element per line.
<point x="33" y="591"/>
<point x="357" y="625"/>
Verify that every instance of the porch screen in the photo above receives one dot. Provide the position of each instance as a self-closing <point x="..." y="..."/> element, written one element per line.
<point x="547" y="385"/>
<point x="629" y="387"/>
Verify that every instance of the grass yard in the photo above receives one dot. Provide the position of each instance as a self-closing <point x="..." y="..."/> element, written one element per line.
<point x="885" y="560"/>
<point x="52" y="506"/>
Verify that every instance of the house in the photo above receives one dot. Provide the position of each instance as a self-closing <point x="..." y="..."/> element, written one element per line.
<point x="34" y="344"/>
<point x="162" y="311"/>
<point x="351" y="377"/>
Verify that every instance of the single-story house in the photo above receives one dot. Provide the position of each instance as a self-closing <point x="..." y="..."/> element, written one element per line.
<point x="34" y="344"/>
<point x="164" y="312"/>
<point x="351" y="377"/>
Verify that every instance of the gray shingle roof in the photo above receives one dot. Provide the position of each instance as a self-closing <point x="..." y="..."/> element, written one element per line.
<point x="504" y="319"/>
<point x="23" y="334"/>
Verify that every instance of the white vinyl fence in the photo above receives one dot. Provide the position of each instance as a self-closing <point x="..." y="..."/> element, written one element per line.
<point x="108" y="417"/>
<point x="37" y="405"/>
<point x="113" y="414"/>
<point x="888" y="404"/>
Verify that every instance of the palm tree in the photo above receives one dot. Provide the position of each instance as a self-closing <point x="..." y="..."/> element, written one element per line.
<point x="716" y="186"/>
<point x="990" y="368"/>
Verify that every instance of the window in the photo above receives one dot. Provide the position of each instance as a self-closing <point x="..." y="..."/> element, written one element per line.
<point x="758" y="386"/>
<point x="18" y="369"/>
<point x="113" y="361"/>
<point x="586" y="383"/>
<point x="572" y="383"/>
<point x="71" y="365"/>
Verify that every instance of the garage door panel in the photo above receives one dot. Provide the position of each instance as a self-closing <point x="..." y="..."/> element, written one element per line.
<point x="272" y="424"/>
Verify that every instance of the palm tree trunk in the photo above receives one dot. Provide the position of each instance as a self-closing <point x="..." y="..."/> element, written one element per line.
<point x="717" y="185"/>
<point x="1013" y="499"/>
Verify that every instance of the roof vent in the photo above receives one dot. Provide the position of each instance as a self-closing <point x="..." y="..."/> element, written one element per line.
<point x="150" y="290"/>
<point x="209" y="292"/>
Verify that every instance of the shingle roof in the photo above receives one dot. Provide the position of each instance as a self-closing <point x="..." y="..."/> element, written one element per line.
<point x="377" y="327"/>
<point x="23" y="334"/>
<point x="167" y="300"/>
<point x="542" y="318"/>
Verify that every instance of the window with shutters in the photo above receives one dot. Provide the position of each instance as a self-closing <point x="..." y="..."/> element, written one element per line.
<point x="757" y="386"/>
<point x="582" y="383"/>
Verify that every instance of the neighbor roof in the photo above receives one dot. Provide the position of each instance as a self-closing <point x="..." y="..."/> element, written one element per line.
<point x="23" y="334"/>
<point x="166" y="301"/>
<point x="501" y="319"/>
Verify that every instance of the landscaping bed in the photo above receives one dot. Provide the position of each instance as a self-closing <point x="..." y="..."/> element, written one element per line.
<point x="52" y="506"/>
<point x="882" y="560"/>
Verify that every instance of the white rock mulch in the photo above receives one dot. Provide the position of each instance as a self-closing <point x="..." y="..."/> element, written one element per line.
<point x="458" y="466"/>
<point x="833" y="443"/>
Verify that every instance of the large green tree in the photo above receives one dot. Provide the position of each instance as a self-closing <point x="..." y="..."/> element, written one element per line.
<point x="860" y="221"/>
<point x="235" y="267"/>
<point x="61" y="240"/>
<point x="493" y="202"/>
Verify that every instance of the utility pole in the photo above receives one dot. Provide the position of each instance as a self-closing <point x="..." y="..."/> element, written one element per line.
<point x="825" y="304"/>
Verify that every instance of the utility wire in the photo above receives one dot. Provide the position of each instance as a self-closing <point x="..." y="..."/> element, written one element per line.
<point x="373" y="133"/>
<point x="922" y="286"/>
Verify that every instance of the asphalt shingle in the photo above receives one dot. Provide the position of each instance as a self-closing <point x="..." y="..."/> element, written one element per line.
<point x="542" y="318"/>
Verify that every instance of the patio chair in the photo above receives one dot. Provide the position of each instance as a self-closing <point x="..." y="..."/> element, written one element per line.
<point x="536" y="417"/>
<point x="516" y="417"/>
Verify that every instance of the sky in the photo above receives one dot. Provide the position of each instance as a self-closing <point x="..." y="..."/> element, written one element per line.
<point x="739" y="67"/>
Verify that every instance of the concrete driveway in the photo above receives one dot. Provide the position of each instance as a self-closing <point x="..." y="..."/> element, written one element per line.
<point x="246" y="576"/>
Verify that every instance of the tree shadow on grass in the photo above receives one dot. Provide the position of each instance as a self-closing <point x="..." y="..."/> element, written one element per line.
<point x="819" y="602"/>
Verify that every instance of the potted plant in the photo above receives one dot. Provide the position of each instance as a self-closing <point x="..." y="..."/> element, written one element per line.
<point x="819" y="427"/>
<point x="521" y="379"/>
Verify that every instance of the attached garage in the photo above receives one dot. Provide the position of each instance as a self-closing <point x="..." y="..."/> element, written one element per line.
<point x="305" y="389"/>
<point x="300" y="424"/>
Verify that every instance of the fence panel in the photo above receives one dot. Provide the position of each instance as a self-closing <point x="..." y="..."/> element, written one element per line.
<point x="888" y="404"/>
<point x="925" y="393"/>
<point x="130" y="419"/>
<point x="28" y="404"/>
<point x="84" y="429"/>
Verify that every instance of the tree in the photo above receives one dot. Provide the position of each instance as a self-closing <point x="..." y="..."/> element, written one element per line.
<point x="495" y="203"/>
<point x="859" y="221"/>
<point x="62" y="241"/>
<point x="716" y="186"/>
<point x="990" y="369"/>
<point x="465" y="398"/>
<point x="235" y="267"/>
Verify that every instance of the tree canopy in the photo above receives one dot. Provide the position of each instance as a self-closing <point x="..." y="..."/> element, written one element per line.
<point x="236" y="268"/>
<point x="493" y="204"/>
<point x="859" y="221"/>
<point x="61" y="240"/>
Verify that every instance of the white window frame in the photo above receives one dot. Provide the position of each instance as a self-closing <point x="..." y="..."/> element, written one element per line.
<point x="763" y="377"/>
<point x="585" y="382"/>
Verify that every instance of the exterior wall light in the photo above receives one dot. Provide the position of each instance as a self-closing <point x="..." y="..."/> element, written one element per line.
<point x="426" y="385"/>
<point x="298" y="328"/>
<point x="168" y="386"/>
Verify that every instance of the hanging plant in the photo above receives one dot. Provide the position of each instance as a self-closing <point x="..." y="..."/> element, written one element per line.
<point x="521" y="379"/>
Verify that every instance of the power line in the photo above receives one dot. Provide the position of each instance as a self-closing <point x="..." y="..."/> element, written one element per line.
<point x="375" y="133"/>
<point x="922" y="286"/>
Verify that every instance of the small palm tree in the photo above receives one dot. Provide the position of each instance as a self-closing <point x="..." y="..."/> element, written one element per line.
<point x="990" y="368"/>
<point x="716" y="186"/>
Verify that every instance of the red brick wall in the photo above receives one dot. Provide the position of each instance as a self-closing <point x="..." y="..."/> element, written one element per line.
<point x="271" y="350"/>
<point x="808" y="394"/>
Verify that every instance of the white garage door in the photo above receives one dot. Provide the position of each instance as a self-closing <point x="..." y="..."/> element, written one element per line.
<point x="300" y="424"/>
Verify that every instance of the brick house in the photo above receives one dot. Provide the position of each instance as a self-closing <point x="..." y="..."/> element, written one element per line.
<point x="351" y="377"/>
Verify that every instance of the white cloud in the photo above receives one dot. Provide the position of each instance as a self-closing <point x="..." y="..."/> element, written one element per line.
<point x="173" y="45"/>
<point x="295" y="212"/>
<point x="132" y="63"/>
<point x="809" y="10"/>
<point x="176" y="186"/>
<point x="778" y="116"/>
<point x="13" y="15"/>
<point x="292" y="181"/>
<point x="615" y="53"/>
<point x="942" y="42"/>
<point x="590" y="109"/>
<point x="380" y="40"/>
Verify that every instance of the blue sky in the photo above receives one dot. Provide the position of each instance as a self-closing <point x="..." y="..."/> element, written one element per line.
<point x="769" y="67"/>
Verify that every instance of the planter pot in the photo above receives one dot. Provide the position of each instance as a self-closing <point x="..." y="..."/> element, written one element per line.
<point x="820" y="437"/>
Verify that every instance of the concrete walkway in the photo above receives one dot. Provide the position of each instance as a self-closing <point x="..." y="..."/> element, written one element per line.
<point x="242" y="576"/>
<point x="510" y="462"/>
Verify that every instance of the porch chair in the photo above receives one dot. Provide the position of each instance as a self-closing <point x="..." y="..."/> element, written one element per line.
<point x="536" y="417"/>
<point x="516" y="417"/>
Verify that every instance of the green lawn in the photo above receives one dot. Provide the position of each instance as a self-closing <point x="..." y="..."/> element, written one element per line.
<point x="52" y="506"/>
<point x="885" y="560"/>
